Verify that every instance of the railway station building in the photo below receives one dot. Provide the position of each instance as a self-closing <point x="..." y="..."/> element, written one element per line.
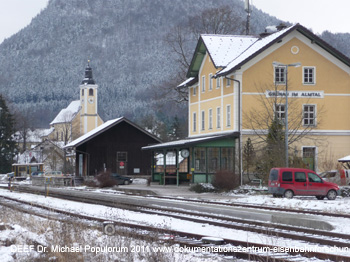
<point x="230" y="82"/>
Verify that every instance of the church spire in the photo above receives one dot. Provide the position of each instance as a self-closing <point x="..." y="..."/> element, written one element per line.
<point x="88" y="80"/>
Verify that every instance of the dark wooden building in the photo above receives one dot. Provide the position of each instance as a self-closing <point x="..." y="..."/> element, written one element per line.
<point x="114" y="146"/>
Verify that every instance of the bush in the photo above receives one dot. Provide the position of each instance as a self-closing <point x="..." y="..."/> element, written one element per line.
<point x="104" y="179"/>
<point x="202" y="188"/>
<point x="225" y="180"/>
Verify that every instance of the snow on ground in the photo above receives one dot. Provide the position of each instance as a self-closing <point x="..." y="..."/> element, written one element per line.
<point x="109" y="213"/>
<point x="339" y="205"/>
<point x="247" y="196"/>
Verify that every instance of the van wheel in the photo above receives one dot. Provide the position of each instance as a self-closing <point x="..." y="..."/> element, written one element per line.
<point x="288" y="194"/>
<point x="320" y="197"/>
<point x="126" y="182"/>
<point x="331" y="195"/>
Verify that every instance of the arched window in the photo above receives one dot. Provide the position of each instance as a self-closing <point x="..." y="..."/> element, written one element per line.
<point x="91" y="92"/>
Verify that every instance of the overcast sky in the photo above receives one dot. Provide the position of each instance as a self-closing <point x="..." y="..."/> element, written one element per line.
<point x="319" y="15"/>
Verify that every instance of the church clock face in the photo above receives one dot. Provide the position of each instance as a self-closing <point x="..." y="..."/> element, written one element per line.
<point x="90" y="100"/>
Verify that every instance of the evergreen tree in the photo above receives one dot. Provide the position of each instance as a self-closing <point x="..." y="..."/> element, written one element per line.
<point x="7" y="143"/>
<point x="248" y="156"/>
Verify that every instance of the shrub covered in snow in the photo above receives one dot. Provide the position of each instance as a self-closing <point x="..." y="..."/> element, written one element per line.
<point x="202" y="188"/>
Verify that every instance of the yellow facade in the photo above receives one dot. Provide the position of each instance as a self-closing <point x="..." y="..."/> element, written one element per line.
<point x="326" y="90"/>
<point x="89" y="118"/>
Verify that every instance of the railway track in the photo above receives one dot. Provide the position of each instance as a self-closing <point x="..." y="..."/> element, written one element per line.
<point x="188" y="241"/>
<point x="249" y="206"/>
<point x="269" y="208"/>
<point x="308" y="235"/>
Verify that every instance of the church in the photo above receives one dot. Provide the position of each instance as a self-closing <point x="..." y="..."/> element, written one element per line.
<point x="81" y="116"/>
<point x="77" y="119"/>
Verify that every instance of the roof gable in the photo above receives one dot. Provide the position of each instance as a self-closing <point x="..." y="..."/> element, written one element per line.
<point x="231" y="52"/>
<point x="221" y="48"/>
<point x="104" y="127"/>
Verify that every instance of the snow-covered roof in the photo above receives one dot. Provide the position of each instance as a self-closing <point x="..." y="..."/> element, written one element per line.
<point x="257" y="46"/>
<point x="93" y="132"/>
<point x="344" y="159"/>
<point x="66" y="115"/>
<point x="44" y="132"/>
<point x="188" y="141"/>
<point x="103" y="128"/>
<point x="223" y="48"/>
<point x="38" y="153"/>
<point x="184" y="83"/>
<point x="32" y="136"/>
<point x="229" y="52"/>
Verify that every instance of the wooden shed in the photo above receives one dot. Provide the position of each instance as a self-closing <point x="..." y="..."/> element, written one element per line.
<point x="114" y="146"/>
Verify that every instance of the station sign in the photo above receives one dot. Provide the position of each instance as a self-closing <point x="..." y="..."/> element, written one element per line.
<point x="294" y="94"/>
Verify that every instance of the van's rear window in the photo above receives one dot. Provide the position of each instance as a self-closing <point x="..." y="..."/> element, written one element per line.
<point x="287" y="176"/>
<point x="273" y="175"/>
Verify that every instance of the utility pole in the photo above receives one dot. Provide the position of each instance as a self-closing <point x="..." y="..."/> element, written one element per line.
<point x="248" y="9"/>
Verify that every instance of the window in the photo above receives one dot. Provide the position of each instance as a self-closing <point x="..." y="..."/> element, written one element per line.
<point x="213" y="159"/>
<point x="314" y="178"/>
<point x="227" y="159"/>
<point x="199" y="156"/>
<point x="218" y="82"/>
<point x="91" y="92"/>
<point x="280" y="75"/>
<point x="210" y="82"/>
<point x="273" y="175"/>
<point x="194" y="90"/>
<point x="228" y="115"/>
<point x="203" y="120"/>
<point x="82" y="92"/>
<point x="122" y="156"/>
<point x="218" y="117"/>
<point x="309" y="75"/>
<point x="228" y="82"/>
<point x="280" y="112"/>
<point x="210" y="118"/>
<point x="309" y="117"/>
<point x="287" y="176"/>
<point x="300" y="177"/>
<point x="194" y="122"/>
<point x="203" y="83"/>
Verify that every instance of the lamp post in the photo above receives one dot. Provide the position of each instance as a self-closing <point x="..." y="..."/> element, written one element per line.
<point x="286" y="110"/>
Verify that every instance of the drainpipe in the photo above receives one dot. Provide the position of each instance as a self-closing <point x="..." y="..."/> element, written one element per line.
<point x="239" y="128"/>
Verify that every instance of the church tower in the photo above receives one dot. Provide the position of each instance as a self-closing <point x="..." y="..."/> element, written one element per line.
<point x="89" y="118"/>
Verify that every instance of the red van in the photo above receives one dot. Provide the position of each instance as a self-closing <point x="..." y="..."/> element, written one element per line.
<point x="289" y="182"/>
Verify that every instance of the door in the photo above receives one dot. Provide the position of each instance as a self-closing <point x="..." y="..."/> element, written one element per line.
<point x="309" y="157"/>
<point x="316" y="186"/>
<point x="300" y="183"/>
<point x="122" y="163"/>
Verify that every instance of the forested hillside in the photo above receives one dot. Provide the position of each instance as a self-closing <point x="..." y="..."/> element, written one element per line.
<point x="42" y="66"/>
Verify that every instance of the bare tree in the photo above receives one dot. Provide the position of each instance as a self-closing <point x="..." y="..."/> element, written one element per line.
<point x="183" y="38"/>
<point x="24" y="123"/>
<point x="266" y="121"/>
<point x="66" y="131"/>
